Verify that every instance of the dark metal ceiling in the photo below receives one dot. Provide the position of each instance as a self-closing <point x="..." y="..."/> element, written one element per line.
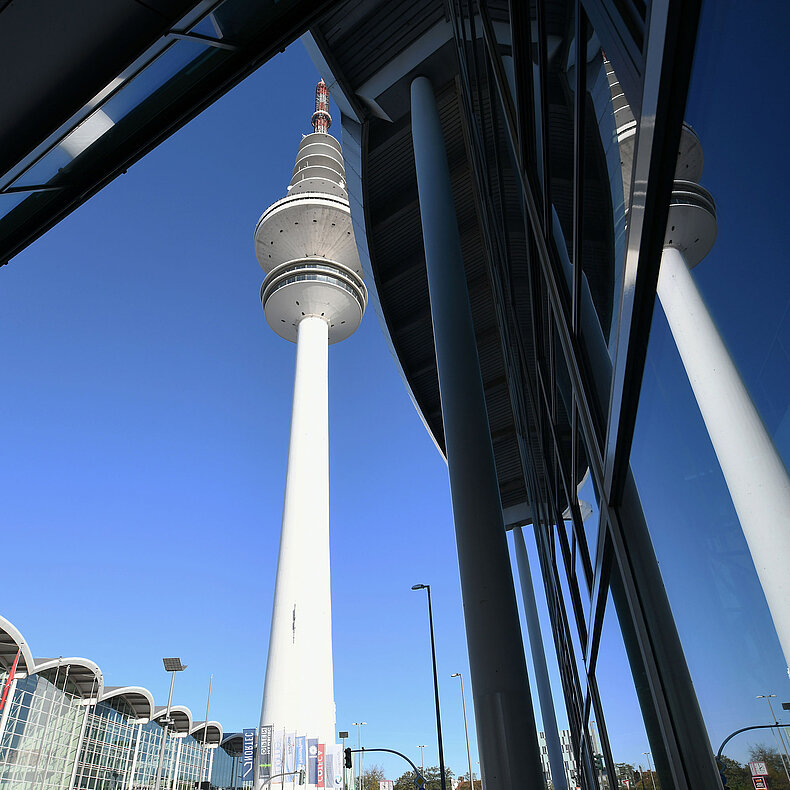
<point x="392" y="214"/>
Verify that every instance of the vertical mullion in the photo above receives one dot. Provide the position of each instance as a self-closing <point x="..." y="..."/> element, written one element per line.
<point x="540" y="11"/>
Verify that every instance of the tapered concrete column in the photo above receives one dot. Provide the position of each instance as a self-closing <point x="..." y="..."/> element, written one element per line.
<point x="298" y="694"/>
<point x="553" y="744"/>
<point x="506" y="734"/>
<point x="753" y="470"/>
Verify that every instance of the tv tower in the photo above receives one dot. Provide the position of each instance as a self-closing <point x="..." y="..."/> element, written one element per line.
<point x="313" y="295"/>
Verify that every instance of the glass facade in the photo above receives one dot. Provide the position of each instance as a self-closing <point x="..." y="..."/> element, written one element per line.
<point x="573" y="135"/>
<point x="60" y="730"/>
<point x="41" y="731"/>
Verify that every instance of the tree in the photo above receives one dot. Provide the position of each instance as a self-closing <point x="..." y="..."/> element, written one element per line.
<point x="777" y="778"/>
<point x="371" y="778"/>
<point x="738" y="776"/>
<point x="432" y="779"/>
<point x="463" y="783"/>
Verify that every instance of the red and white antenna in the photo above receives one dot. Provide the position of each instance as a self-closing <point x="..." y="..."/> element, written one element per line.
<point x="321" y="119"/>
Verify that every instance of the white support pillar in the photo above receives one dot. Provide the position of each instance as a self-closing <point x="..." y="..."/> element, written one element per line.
<point x="211" y="763"/>
<point x="507" y="738"/>
<point x="73" y="781"/>
<point x="753" y="470"/>
<point x="177" y="764"/>
<point x="298" y="692"/>
<point x="130" y="777"/>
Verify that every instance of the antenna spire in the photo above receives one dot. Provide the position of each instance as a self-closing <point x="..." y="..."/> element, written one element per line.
<point x="321" y="119"/>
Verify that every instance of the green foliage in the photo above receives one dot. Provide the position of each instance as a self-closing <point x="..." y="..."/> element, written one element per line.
<point x="371" y="778"/>
<point x="738" y="776"/>
<point x="432" y="779"/>
<point x="777" y="778"/>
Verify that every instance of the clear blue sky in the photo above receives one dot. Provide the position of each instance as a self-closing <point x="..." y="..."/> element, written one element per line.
<point x="147" y="407"/>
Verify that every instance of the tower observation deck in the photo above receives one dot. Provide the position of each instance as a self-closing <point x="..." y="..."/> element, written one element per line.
<point x="314" y="295"/>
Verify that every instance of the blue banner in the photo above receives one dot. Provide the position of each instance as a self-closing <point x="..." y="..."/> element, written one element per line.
<point x="248" y="754"/>
<point x="301" y="754"/>
<point x="312" y="761"/>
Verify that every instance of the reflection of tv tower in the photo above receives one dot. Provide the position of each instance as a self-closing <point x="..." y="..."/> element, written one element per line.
<point x="313" y="295"/>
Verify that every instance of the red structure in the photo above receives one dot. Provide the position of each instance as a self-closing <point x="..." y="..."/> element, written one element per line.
<point x="321" y="119"/>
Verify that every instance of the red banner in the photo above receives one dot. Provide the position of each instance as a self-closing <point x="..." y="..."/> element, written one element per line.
<point x="10" y="678"/>
<point x="321" y="768"/>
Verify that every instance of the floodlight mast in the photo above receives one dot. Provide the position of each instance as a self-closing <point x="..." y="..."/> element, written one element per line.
<point x="313" y="295"/>
<point x="171" y="665"/>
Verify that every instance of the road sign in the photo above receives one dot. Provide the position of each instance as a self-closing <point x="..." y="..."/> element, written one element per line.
<point x="758" y="768"/>
<point x="760" y="783"/>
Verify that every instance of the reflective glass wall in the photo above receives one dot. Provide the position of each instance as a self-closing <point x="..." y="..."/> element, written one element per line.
<point x="735" y="108"/>
<point x="39" y="741"/>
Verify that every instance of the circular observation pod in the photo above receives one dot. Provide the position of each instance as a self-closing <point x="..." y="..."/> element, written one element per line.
<point x="691" y="224"/>
<point x="313" y="287"/>
<point x="307" y="225"/>
<point x="690" y="158"/>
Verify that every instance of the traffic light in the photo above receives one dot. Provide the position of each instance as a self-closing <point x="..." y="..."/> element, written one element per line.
<point x="348" y="758"/>
<point x="301" y="776"/>
<point x="598" y="759"/>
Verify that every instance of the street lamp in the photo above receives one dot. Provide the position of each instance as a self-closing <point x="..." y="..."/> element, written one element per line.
<point x="172" y="665"/>
<point x="358" y="725"/>
<point x="422" y="760"/>
<point x="435" y="685"/>
<point x="782" y="749"/>
<point x="466" y="728"/>
<point x="650" y="766"/>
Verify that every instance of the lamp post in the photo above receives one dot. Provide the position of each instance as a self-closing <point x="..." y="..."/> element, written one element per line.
<point x="172" y="665"/>
<point x="460" y="676"/>
<point x="358" y="725"/>
<point x="782" y="749"/>
<point x="650" y="766"/>
<point x="422" y="760"/>
<point x="435" y="685"/>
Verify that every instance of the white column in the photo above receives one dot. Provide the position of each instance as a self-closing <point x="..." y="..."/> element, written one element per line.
<point x="77" y="762"/>
<point x="298" y="693"/>
<point x="178" y="763"/>
<point x="130" y="778"/>
<point x="755" y="474"/>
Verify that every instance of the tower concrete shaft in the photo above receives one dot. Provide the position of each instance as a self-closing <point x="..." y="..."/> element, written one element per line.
<point x="313" y="295"/>
<point x="298" y="693"/>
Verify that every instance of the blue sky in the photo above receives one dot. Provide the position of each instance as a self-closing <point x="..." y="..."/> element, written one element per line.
<point x="147" y="407"/>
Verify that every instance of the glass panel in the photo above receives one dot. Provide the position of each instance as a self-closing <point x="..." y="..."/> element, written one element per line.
<point x="619" y="700"/>
<point x="174" y="59"/>
<point x="721" y="611"/>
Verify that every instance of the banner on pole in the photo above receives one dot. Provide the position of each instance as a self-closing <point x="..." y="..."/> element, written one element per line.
<point x="248" y="754"/>
<point x="337" y="766"/>
<point x="312" y="761"/>
<point x="321" y="773"/>
<point x="290" y="757"/>
<point x="277" y="757"/>
<point x="265" y="753"/>
<point x="301" y="754"/>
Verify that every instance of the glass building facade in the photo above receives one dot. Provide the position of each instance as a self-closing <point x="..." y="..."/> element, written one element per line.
<point x="61" y="729"/>
<point x="542" y="154"/>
